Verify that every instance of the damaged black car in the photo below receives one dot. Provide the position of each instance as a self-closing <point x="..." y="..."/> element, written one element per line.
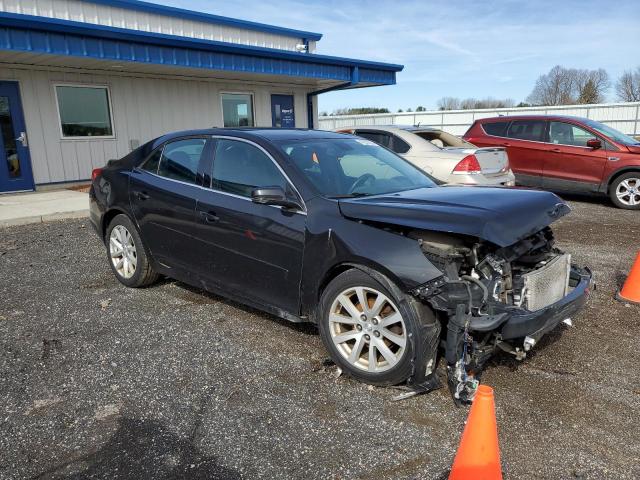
<point x="397" y="271"/>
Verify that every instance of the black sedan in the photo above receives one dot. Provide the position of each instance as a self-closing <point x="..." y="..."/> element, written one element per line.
<point x="336" y="230"/>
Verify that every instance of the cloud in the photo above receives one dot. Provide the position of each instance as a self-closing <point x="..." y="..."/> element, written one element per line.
<point x="464" y="48"/>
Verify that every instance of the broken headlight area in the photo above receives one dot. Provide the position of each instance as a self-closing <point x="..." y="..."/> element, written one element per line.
<point x="492" y="297"/>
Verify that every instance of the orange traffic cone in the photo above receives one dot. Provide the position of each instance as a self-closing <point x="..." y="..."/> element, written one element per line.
<point x="631" y="289"/>
<point x="478" y="456"/>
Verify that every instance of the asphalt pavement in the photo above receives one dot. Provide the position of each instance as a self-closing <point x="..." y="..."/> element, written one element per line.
<point x="101" y="381"/>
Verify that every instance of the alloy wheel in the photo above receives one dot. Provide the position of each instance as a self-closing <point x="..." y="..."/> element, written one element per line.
<point x="367" y="329"/>
<point x="628" y="191"/>
<point x="122" y="250"/>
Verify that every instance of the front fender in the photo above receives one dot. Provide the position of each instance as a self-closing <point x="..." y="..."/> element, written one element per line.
<point x="334" y="241"/>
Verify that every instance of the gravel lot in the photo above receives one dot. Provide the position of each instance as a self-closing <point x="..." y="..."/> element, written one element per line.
<point x="97" y="380"/>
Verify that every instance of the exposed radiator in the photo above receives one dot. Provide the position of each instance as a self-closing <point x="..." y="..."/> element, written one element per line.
<point x="548" y="284"/>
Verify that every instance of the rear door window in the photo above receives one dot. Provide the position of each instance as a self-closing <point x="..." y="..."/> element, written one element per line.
<point x="398" y="145"/>
<point x="497" y="129"/>
<point x="381" y="138"/>
<point x="152" y="162"/>
<point x="180" y="159"/>
<point x="532" y="130"/>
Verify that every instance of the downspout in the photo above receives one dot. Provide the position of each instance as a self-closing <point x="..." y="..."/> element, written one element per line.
<point x="355" y="79"/>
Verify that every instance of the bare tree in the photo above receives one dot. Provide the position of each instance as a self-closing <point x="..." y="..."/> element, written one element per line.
<point x="565" y="86"/>
<point x="489" y="102"/>
<point x="591" y="85"/>
<point x="554" y="88"/>
<point x="453" y="103"/>
<point x="469" y="103"/>
<point x="628" y="86"/>
<point x="448" y="103"/>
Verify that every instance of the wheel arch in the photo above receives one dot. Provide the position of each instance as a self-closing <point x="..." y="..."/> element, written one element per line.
<point x="110" y="215"/>
<point x="377" y="272"/>
<point x="612" y="178"/>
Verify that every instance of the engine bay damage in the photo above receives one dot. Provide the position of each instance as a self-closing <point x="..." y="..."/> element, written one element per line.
<point x="491" y="297"/>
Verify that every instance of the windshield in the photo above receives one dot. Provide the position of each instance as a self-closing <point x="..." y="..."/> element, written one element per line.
<point x="352" y="167"/>
<point x="612" y="133"/>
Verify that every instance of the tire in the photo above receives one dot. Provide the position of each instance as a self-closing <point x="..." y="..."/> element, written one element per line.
<point x="625" y="191"/>
<point x="411" y="330"/>
<point x="130" y="264"/>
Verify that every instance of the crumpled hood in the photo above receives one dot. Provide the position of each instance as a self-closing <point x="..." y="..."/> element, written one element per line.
<point x="499" y="215"/>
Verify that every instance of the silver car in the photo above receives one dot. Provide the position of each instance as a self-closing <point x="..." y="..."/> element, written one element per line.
<point x="444" y="156"/>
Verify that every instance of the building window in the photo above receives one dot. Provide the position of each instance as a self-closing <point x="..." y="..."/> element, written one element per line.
<point x="84" y="111"/>
<point x="237" y="109"/>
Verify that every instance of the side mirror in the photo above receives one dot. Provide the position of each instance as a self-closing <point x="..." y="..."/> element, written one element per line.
<point x="273" y="196"/>
<point x="594" y="143"/>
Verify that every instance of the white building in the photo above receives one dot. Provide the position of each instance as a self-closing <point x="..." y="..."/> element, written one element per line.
<point x="84" y="81"/>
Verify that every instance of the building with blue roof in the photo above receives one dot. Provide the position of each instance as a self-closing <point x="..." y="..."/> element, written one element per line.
<point x="84" y="81"/>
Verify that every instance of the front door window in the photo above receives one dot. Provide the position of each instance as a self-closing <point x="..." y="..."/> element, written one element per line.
<point x="562" y="133"/>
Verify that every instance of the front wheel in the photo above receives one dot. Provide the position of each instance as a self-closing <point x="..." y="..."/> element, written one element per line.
<point x="370" y="332"/>
<point x="625" y="191"/>
<point x="127" y="254"/>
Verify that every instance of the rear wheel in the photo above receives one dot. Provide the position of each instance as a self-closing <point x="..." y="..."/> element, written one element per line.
<point x="128" y="257"/>
<point x="625" y="191"/>
<point x="369" y="331"/>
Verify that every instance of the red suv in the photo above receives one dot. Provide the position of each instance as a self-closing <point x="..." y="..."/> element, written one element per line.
<point x="566" y="154"/>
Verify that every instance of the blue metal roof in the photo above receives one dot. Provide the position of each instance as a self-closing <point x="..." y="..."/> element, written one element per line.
<point x="208" y="18"/>
<point x="45" y="35"/>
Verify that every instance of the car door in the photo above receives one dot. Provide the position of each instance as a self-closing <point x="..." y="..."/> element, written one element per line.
<point x="162" y="192"/>
<point x="252" y="250"/>
<point x="570" y="164"/>
<point x="524" y="141"/>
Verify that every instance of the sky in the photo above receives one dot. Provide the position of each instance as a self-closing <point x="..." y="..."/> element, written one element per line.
<point x="458" y="48"/>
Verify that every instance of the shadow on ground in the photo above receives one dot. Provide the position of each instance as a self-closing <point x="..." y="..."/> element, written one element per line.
<point x="142" y="449"/>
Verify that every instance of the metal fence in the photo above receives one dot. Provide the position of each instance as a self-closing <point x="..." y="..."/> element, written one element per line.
<point x="621" y="116"/>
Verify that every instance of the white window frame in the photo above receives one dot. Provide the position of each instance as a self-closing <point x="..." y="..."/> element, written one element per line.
<point x="253" y="106"/>
<point x="85" y="85"/>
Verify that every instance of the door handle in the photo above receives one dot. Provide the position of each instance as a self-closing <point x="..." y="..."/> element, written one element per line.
<point x="613" y="159"/>
<point x="506" y="144"/>
<point x="556" y="150"/>
<point x="142" y="195"/>
<point x="209" y="217"/>
<point x="23" y="139"/>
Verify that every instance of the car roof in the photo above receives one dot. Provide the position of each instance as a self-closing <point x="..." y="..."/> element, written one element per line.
<point x="249" y="132"/>
<point x="406" y="128"/>
<point x="508" y="118"/>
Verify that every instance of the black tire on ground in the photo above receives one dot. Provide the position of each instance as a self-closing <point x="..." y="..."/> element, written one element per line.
<point x="419" y="321"/>
<point x="144" y="274"/>
<point x="614" y="188"/>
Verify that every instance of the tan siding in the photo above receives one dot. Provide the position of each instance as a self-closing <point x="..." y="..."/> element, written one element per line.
<point x="143" y="108"/>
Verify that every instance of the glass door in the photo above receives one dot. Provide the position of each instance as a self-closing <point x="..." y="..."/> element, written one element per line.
<point x="15" y="165"/>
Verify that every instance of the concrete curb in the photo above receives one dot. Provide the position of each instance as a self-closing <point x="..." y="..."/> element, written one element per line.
<point x="51" y="217"/>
